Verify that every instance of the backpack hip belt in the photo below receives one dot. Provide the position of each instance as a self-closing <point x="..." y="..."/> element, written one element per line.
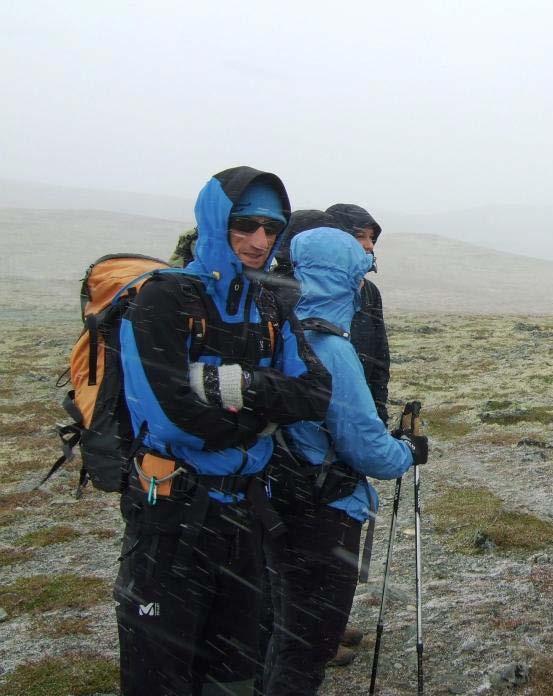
<point x="330" y="481"/>
<point x="158" y="477"/>
<point x="164" y="477"/>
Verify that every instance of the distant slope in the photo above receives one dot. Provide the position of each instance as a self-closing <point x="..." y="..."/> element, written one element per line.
<point x="420" y="272"/>
<point x="62" y="243"/>
<point x="518" y="229"/>
<point x="45" y="252"/>
<point x="27" y="194"/>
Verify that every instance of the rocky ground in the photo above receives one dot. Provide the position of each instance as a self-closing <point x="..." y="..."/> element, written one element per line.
<point x="487" y="521"/>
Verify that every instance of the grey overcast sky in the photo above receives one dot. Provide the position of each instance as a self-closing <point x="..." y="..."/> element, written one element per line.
<point x="413" y="106"/>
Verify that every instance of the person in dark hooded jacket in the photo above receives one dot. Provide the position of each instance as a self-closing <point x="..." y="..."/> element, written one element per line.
<point x="368" y="331"/>
<point x="319" y="483"/>
<point x="199" y="348"/>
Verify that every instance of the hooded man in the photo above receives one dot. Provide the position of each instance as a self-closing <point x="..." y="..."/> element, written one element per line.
<point x="319" y="481"/>
<point x="198" y="349"/>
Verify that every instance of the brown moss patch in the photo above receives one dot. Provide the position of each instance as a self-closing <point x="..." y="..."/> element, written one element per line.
<point x="40" y="593"/>
<point x="48" y="536"/>
<point x="25" y="418"/>
<point x="10" y="501"/>
<point x="15" y="470"/>
<point x="92" y="503"/>
<point x="508" y="623"/>
<point x="8" y="517"/>
<point x="13" y="556"/>
<point x="498" y="438"/>
<point x="60" y="628"/>
<point x="541" y="676"/>
<point x="541" y="577"/>
<point x="78" y="674"/>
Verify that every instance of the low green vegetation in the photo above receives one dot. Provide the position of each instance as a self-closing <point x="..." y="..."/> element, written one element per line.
<point x="473" y="519"/>
<point x="48" y="536"/>
<point x="536" y="414"/>
<point x="495" y="405"/>
<point x="40" y="593"/>
<point x="447" y="422"/>
<point x="73" y="674"/>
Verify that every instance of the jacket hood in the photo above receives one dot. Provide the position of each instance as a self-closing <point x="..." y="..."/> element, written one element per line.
<point x="347" y="216"/>
<point x="215" y="262"/>
<point x="329" y="265"/>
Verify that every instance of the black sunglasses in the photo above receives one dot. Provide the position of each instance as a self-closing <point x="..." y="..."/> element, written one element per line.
<point x="249" y="225"/>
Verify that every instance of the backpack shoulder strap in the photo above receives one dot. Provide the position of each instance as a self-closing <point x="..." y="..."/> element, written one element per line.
<point x="197" y="307"/>
<point x="271" y="313"/>
<point x="323" y="326"/>
<point x="324" y="467"/>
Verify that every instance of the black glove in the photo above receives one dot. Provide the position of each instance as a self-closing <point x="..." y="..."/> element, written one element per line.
<point x="418" y="444"/>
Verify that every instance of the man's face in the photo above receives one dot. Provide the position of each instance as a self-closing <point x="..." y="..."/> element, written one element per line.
<point x="365" y="237"/>
<point x="252" y="238"/>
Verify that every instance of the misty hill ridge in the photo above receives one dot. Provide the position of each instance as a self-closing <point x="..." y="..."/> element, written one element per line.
<point x="416" y="272"/>
<point x="40" y="196"/>
<point x="519" y="229"/>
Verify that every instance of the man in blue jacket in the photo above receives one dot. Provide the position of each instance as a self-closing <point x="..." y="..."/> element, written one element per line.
<point x="319" y="481"/>
<point x="199" y="347"/>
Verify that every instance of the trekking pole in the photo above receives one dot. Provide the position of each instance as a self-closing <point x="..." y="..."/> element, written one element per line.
<point x="380" y="624"/>
<point x="415" y="429"/>
<point x="410" y="422"/>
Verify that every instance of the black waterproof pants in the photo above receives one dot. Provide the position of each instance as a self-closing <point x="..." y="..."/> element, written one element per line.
<point x="191" y="629"/>
<point x="313" y="583"/>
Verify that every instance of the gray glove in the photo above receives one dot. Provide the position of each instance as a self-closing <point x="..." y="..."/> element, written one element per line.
<point x="218" y="386"/>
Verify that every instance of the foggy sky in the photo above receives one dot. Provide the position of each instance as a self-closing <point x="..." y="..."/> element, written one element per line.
<point x="405" y="106"/>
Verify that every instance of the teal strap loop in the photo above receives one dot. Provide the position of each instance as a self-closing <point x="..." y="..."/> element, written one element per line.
<point x="152" y="491"/>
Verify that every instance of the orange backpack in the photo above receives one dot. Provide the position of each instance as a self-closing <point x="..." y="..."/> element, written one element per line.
<point x="102" y="426"/>
<point x="101" y="421"/>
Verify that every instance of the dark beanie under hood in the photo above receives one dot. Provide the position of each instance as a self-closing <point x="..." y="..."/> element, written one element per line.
<point x="300" y="221"/>
<point x="348" y="216"/>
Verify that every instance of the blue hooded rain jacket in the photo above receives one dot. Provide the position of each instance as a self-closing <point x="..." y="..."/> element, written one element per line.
<point x="329" y="265"/>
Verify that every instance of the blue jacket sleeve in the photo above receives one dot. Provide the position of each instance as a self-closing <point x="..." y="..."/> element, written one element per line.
<point x="360" y="437"/>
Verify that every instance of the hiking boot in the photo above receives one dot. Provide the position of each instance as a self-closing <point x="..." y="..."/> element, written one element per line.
<point x="351" y="636"/>
<point x="344" y="656"/>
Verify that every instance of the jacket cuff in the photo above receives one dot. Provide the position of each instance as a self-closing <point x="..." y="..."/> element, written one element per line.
<point x="230" y="386"/>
